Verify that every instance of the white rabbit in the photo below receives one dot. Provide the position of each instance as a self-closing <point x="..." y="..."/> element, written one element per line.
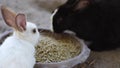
<point x="17" y="51"/>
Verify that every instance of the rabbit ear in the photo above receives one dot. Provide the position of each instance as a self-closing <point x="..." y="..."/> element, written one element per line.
<point x="8" y="16"/>
<point x="82" y="4"/>
<point x="71" y="3"/>
<point x="77" y="4"/>
<point x="21" y="22"/>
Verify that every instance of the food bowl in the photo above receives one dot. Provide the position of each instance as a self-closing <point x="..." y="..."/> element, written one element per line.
<point x="68" y="63"/>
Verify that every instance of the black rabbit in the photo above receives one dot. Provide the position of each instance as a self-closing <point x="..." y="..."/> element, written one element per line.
<point x="92" y="20"/>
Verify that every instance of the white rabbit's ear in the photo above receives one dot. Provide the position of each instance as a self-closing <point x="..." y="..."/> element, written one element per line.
<point x="8" y="16"/>
<point x="21" y="22"/>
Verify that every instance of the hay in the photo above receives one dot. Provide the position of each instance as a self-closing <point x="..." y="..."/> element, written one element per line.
<point x="57" y="47"/>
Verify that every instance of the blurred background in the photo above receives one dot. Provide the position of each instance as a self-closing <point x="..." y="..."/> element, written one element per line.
<point x="37" y="11"/>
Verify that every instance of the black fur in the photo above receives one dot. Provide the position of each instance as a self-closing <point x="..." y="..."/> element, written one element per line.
<point x="99" y="22"/>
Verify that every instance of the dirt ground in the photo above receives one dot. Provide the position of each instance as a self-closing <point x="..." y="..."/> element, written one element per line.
<point x="39" y="12"/>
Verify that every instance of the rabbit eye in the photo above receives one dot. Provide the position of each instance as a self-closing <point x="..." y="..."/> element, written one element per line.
<point x="34" y="30"/>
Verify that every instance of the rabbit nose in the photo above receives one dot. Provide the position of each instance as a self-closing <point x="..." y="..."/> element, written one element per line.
<point x="40" y="30"/>
<point x="43" y="30"/>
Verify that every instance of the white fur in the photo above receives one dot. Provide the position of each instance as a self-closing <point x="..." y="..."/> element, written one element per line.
<point x="51" y="18"/>
<point x="18" y="50"/>
<point x="56" y="10"/>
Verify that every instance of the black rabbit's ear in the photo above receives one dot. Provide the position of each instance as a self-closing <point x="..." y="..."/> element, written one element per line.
<point x="71" y="3"/>
<point x="77" y="4"/>
<point x="82" y="4"/>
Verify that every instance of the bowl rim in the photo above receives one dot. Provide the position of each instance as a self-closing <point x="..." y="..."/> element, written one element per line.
<point x="83" y="46"/>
